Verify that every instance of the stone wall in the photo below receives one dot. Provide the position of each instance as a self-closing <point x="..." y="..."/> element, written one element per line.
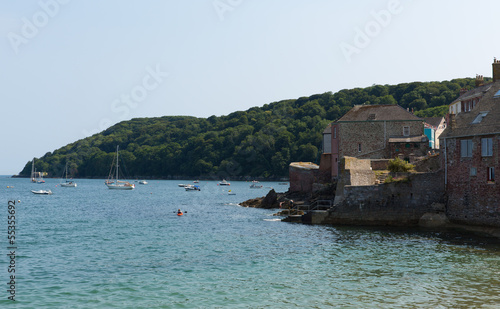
<point x="373" y="137"/>
<point x="379" y="164"/>
<point x="397" y="203"/>
<point x="353" y="172"/>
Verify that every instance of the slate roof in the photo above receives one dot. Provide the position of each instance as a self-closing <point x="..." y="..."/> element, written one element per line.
<point x="490" y="124"/>
<point x="434" y="121"/>
<point x="473" y="93"/>
<point x="378" y="113"/>
<point x="328" y="129"/>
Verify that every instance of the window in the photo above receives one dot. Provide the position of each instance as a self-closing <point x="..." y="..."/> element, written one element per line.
<point x="487" y="147"/>
<point x="359" y="147"/>
<point x="473" y="171"/>
<point x="334" y="132"/>
<point x="406" y="131"/>
<point x="491" y="174"/>
<point x="479" y="117"/>
<point x="466" y="148"/>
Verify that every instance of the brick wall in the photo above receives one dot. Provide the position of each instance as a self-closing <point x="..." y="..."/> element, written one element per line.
<point x="471" y="199"/>
<point x="302" y="179"/>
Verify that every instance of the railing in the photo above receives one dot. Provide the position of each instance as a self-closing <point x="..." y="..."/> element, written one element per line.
<point x="317" y="205"/>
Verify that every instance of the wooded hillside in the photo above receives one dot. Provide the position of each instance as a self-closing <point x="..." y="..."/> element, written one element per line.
<point x="259" y="142"/>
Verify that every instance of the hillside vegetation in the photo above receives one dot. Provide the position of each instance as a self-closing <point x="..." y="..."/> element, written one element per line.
<point x="259" y="142"/>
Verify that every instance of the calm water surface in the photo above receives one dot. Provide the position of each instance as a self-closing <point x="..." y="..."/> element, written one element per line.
<point x="91" y="247"/>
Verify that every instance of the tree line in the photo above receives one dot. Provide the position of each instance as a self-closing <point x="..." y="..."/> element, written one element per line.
<point x="259" y="142"/>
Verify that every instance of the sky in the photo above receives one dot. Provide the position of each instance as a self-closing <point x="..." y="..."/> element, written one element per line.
<point x="72" y="68"/>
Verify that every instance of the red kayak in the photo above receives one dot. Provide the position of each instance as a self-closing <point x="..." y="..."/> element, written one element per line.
<point x="180" y="213"/>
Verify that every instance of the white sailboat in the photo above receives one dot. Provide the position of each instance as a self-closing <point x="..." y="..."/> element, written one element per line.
<point x="36" y="177"/>
<point x="68" y="183"/>
<point x="114" y="183"/>
<point x="33" y="179"/>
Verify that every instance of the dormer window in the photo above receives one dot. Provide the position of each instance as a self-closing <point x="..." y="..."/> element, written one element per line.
<point x="371" y="117"/>
<point x="406" y="131"/>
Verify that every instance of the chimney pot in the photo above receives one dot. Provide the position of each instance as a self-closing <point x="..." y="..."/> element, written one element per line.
<point x="496" y="70"/>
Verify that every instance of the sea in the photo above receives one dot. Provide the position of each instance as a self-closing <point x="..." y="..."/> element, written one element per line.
<point x="91" y="247"/>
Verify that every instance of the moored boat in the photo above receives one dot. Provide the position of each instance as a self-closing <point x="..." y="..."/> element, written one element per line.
<point x="41" y="192"/>
<point x="116" y="184"/>
<point x="255" y="185"/>
<point x="67" y="183"/>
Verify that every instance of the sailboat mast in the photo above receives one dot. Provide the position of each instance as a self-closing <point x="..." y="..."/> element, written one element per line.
<point x="117" y="164"/>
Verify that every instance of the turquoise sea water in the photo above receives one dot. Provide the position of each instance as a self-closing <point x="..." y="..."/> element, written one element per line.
<point x="91" y="247"/>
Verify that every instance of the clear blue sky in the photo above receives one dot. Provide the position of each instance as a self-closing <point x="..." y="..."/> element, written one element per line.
<point x="73" y="68"/>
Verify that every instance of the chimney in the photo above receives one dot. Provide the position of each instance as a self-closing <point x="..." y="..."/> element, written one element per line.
<point x="496" y="70"/>
<point x="452" y="124"/>
<point x="479" y="80"/>
<point x="464" y="90"/>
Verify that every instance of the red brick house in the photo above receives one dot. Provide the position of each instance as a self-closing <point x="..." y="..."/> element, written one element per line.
<point x="376" y="132"/>
<point x="471" y="146"/>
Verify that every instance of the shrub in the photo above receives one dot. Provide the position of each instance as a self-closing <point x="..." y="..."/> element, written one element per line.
<point x="398" y="165"/>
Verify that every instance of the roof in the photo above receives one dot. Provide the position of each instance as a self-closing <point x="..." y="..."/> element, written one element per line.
<point x="409" y="139"/>
<point x="484" y="123"/>
<point x="478" y="91"/>
<point x="328" y="129"/>
<point x="434" y="121"/>
<point x="305" y="165"/>
<point x="378" y="113"/>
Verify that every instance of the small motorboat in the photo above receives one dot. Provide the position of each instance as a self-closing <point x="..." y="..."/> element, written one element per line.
<point x="224" y="183"/>
<point x="255" y="185"/>
<point x="42" y="192"/>
<point x="231" y="193"/>
<point x="143" y="182"/>
<point x="192" y="188"/>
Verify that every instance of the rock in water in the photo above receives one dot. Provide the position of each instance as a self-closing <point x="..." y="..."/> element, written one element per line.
<point x="271" y="200"/>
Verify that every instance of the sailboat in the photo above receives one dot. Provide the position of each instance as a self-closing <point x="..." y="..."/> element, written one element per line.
<point x="67" y="183"/>
<point x="36" y="177"/>
<point x="115" y="183"/>
<point x="33" y="178"/>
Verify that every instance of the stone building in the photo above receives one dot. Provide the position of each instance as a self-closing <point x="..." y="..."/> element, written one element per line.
<point x="471" y="145"/>
<point x="376" y="132"/>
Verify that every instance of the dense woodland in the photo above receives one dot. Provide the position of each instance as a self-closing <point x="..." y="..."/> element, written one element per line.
<point x="259" y="142"/>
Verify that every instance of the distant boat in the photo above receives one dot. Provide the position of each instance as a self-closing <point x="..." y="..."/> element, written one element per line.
<point x="224" y="183"/>
<point x="231" y="193"/>
<point x="255" y="185"/>
<point x="182" y="185"/>
<point x="192" y="188"/>
<point x="33" y="177"/>
<point x="42" y="192"/>
<point x="116" y="184"/>
<point x="196" y="181"/>
<point x="143" y="182"/>
<point x="36" y="177"/>
<point x="67" y="183"/>
<point x="39" y="179"/>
